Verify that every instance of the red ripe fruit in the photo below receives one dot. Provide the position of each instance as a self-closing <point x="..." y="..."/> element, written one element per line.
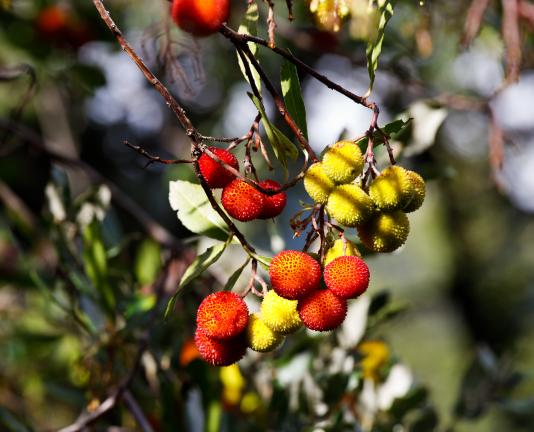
<point x="215" y="174"/>
<point x="222" y="315"/>
<point x="200" y="17"/>
<point x="322" y="310"/>
<point x="53" y="22"/>
<point x="220" y="352"/>
<point x="347" y="276"/>
<point x="294" y="274"/>
<point x="272" y="205"/>
<point x="242" y="201"/>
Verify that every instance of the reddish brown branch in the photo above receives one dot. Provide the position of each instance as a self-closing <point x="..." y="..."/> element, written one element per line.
<point x="475" y="14"/>
<point x="512" y="40"/>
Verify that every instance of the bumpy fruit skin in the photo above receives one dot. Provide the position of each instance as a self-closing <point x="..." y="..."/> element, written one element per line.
<point x="214" y="173"/>
<point x="418" y="192"/>
<point x="318" y="184"/>
<point x="347" y="276"/>
<point x="242" y="201"/>
<point x="275" y="204"/>
<point x="322" y="310"/>
<point x="336" y="250"/>
<point x="294" y="274"/>
<point x="280" y="314"/>
<point x="385" y="232"/>
<point x="220" y="352"/>
<point x="392" y="189"/>
<point x="222" y="315"/>
<point x="343" y="162"/>
<point x="200" y="17"/>
<point x="260" y="337"/>
<point x="349" y="205"/>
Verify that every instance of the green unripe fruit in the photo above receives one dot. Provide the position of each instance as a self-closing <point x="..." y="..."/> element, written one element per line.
<point x="392" y="189"/>
<point x="280" y="314"/>
<point x="318" y="184"/>
<point x="349" y="205"/>
<point x="385" y="232"/>
<point x="418" y="192"/>
<point x="343" y="162"/>
<point x="337" y="250"/>
<point x="260" y="337"/>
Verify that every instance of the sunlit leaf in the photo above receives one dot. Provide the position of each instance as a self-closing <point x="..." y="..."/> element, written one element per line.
<point x="374" y="48"/>
<point x="249" y="26"/>
<point x="147" y="262"/>
<point x="195" y="211"/>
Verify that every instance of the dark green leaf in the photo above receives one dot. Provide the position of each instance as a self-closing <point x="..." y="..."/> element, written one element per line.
<point x="374" y="48"/>
<point x="293" y="95"/>
<point x="414" y="399"/>
<point x="235" y="276"/>
<point x="201" y="263"/>
<point x="282" y="146"/>
<point x="392" y="130"/>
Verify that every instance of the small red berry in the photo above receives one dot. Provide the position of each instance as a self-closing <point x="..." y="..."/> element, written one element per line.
<point x="222" y="315"/>
<point x="272" y="205"/>
<point x="242" y="201"/>
<point x="220" y="352"/>
<point x="215" y="174"/>
<point x="294" y="274"/>
<point x="347" y="276"/>
<point x="200" y="17"/>
<point x="322" y="310"/>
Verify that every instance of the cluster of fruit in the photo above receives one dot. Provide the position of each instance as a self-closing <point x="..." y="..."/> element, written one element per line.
<point x="378" y="214"/>
<point x="240" y="200"/>
<point x="225" y="329"/>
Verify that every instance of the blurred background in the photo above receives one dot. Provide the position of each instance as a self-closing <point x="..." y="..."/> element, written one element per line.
<point x="90" y="249"/>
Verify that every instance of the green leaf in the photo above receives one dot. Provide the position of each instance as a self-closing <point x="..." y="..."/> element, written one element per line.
<point x="391" y="129"/>
<point x="264" y="261"/>
<point x="374" y="48"/>
<point x="140" y="304"/>
<point x="195" y="211"/>
<point x="235" y="276"/>
<point x="201" y="263"/>
<point x="282" y="146"/>
<point x="95" y="264"/>
<point x="293" y="95"/>
<point x="147" y="262"/>
<point x="249" y="26"/>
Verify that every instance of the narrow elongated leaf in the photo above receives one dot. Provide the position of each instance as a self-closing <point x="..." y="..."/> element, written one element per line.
<point x="95" y="263"/>
<point x="235" y="276"/>
<point x="282" y="146"/>
<point x="374" y="48"/>
<point x="195" y="211"/>
<point x="249" y="26"/>
<point x="201" y="263"/>
<point x="293" y="95"/>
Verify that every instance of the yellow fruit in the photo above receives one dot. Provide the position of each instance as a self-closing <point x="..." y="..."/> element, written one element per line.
<point x="418" y="192"/>
<point x="337" y="250"/>
<point x="343" y="162"/>
<point x="385" y="232"/>
<point x="375" y="355"/>
<point x="260" y="337"/>
<point x="349" y="205"/>
<point x="280" y="314"/>
<point x="392" y="189"/>
<point x="318" y="184"/>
